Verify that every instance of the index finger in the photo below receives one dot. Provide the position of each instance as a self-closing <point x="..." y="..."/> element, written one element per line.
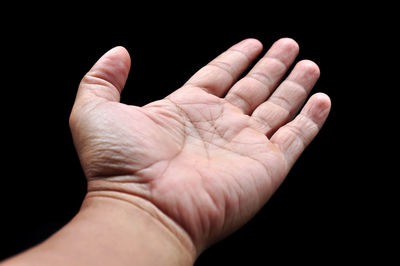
<point x="220" y="74"/>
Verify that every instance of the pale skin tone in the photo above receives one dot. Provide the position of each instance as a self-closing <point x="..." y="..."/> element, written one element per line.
<point x="168" y="179"/>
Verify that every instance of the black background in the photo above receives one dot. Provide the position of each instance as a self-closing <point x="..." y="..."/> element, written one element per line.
<point x="326" y="210"/>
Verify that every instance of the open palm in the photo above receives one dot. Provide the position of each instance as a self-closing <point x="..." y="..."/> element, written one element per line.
<point x="209" y="155"/>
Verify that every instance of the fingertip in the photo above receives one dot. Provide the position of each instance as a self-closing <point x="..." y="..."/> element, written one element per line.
<point x="289" y="43"/>
<point x="318" y="108"/>
<point x="255" y="42"/>
<point x="107" y="77"/>
<point x="311" y="68"/>
<point x="113" y="67"/>
<point x="121" y="50"/>
<point x="306" y="73"/>
<point x="249" y="44"/>
<point x="286" y="49"/>
<point x="322" y="99"/>
<point x="121" y="54"/>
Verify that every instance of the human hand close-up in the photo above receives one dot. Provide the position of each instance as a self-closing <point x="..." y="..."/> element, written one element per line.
<point x="205" y="159"/>
<point x="209" y="155"/>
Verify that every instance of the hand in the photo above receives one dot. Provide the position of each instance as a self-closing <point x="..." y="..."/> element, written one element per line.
<point x="208" y="156"/>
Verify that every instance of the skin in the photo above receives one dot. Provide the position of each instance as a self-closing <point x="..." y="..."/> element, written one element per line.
<point x="178" y="174"/>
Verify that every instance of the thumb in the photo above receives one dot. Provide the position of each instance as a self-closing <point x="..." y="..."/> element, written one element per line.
<point x="106" y="78"/>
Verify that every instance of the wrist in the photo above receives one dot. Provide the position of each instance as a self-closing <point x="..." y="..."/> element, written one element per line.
<point x="137" y="222"/>
<point x="112" y="228"/>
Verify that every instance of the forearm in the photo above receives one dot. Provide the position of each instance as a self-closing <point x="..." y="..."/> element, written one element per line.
<point x="109" y="231"/>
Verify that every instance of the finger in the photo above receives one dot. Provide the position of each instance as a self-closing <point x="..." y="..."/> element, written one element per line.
<point x="288" y="97"/>
<point x="223" y="71"/>
<point x="107" y="77"/>
<point x="259" y="83"/>
<point x="294" y="137"/>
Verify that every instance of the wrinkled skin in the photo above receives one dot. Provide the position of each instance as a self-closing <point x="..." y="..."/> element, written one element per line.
<point x="209" y="155"/>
